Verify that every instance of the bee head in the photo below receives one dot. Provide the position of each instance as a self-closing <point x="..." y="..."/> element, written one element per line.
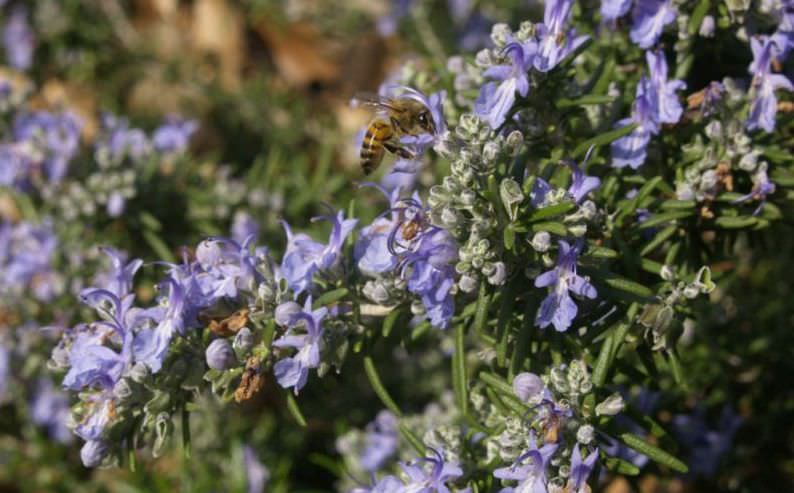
<point x="425" y="121"/>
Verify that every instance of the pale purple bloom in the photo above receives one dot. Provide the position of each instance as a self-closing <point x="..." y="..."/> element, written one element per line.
<point x="243" y="226"/>
<point x="668" y="107"/>
<point x="220" y="355"/>
<point x="764" y="105"/>
<point x="555" y="40"/>
<point x="174" y="135"/>
<point x="581" y="184"/>
<point x="305" y="333"/>
<point x="762" y="187"/>
<point x="5" y="370"/>
<point x="527" y="386"/>
<point x="559" y="308"/>
<point x="56" y="135"/>
<point x="656" y="103"/>
<point x="707" y="27"/>
<point x="495" y="101"/>
<point x="612" y="9"/>
<point x="706" y="445"/>
<point x="421" y="479"/>
<point x="387" y="484"/>
<point x="19" y="39"/>
<point x="580" y="470"/>
<point x="119" y="277"/>
<point x="50" y="409"/>
<point x="305" y="256"/>
<point x="529" y="469"/>
<point x="380" y="441"/>
<point x="93" y="452"/>
<point x="387" y="25"/>
<point x="256" y="473"/>
<point x="27" y="253"/>
<point x="649" y="19"/>
<point x="119" y="140"/>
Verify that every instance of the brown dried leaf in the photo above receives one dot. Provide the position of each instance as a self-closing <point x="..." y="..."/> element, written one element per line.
<point x="252" y="381"/>
<point x="231" y="324"/>
<point x="301" y="55"/>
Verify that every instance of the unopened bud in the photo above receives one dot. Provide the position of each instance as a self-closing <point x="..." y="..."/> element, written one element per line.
<point x="610" y="406"/>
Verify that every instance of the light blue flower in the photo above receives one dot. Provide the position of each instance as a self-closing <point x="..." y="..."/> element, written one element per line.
<point x="305" y="334"/>
<point x="763" y="108"/>
<point x="496" y="100"/>
<point x="558" y="308"/>
<point x="529" y="469"/>
<point x="649" y="19"/>
<point x="555" y="40"/>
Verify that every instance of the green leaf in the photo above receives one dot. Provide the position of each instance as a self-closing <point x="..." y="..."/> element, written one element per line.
<point x="658" y="239"/>
<point x="496" y="382"/>
<point x="602" y="363"/>
<point x="620" y="466"/>
<point x="158" y="246"/>
<point x="665" y="217"/>
<point x="736" y="222"/>
<point x="697" y="16"/>
<point x="509" y="237"/>
<point x="459" y="375"/>
<point x="596" y="251"/>
<point x="590" y="99"/>
<point x="629" y="286"/>
<point x="603" y="139"/>
<point x="550" y="211"/>
<point x="413" y="440"/>
<point x="294" y="410"/>
<point x="483" y="302"/>
<point x="678" y="204"/>
<point x="653" y="452"/>
<point x="186" y="432"/>
<point x="377" y="386"/>
<point x="389" y="321"/>
<point x="558" y="229"/>
<point x="330" y="298"/>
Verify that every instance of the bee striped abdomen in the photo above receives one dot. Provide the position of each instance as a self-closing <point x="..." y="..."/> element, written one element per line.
<point x="372" y="150"/>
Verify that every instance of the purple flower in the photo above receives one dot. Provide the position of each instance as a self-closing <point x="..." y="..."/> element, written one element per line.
<point x="174" y="135"/>
<point x="668" y="107"/>
<point x="118" y="279"/>
<point x="380" y="441"/>
<point x="305" y="333"/>
<point x="764" y="105"/>
<point x="529" y="469"/>
<point x="656" y="103"/>
<point x="580" y="470"/>
<point x="528" y="386"/>
<point x="387" y="25"/>
<point x="220" y="355"/>
<point x="612" y="9"/>
<point x="305" y="256"/>
<point x="649" y="18"/>
<point x="555" y="41"/>
<point x="581" y="184"/>
<point x="57" y="136"/>
<point x="50" y="409"/>
<point x="706" y="445"/>
<point x="5" y="370"/>
<point x="422" y="480"/>
<point x="387" y="484"/>
<point x="151" y="344"/>
<point x="19" y="39"/>
<point x="243" y="227"/>
<point x="256" y="474"/>
<point x="762" y="186"/>
<point x="559" y="308"/>
<point x="27" y="254"/>
<point x="93" y="453"/>
<point x="495" y="101"/>
<point x="119" y="140"/>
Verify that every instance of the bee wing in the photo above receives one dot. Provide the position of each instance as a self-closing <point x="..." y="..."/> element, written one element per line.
<point x="373" y="100"/>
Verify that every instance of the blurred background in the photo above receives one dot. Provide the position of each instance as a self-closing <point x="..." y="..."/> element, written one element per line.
<point x="268" y="84"/>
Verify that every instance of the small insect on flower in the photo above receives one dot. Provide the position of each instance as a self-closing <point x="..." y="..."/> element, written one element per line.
<point x="396" y="117"/>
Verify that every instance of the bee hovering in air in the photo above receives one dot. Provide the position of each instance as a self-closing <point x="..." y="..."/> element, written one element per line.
<point x="396" y="117"/>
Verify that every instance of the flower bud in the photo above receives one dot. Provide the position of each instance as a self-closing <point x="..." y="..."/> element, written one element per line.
<point x="559" y="379"/>
<point x="511" y="195"/>
<point x="490" y="151"/>
<point x="514" y="141"/>
<point x="93" y="453"/>
<point x="243" y="342"/>
<point x="220" y="355"/>
<point x="468" y="284"/>
<point x="691" y="291"/>
<point x="666" y="273"/>
<point x="610" y="406"/>
<point x="500" y="33"/>
<point x="163" y="426"/>
<point x="527" y="386"/>
<point x="585" y="434"/>
<point x="140" y="372"/>
<point x="285" y="313"/>
<point x="707" y="27"/>
<point x="483" y="58"/>
<point x="541" y="241"/>
<point x="498" y="274"/>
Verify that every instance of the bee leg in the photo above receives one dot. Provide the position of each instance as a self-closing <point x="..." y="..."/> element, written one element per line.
<point x="400" y="151"/>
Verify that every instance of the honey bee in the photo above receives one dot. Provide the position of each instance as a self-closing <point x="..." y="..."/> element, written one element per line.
<point x="395" y="118"/>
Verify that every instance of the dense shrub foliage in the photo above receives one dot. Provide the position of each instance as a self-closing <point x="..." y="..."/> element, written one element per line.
<point x="573" y="279"/>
